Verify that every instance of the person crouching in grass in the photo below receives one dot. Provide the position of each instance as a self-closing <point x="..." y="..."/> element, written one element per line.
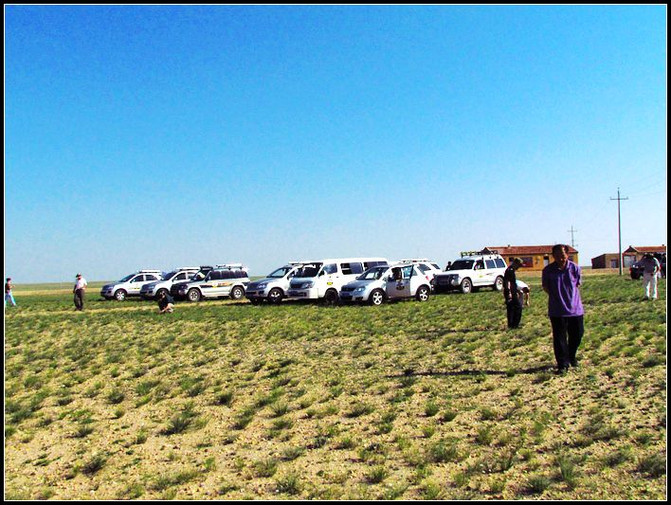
<point x="166" y="303"/>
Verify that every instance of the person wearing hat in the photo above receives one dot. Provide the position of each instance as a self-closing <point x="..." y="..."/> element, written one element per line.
<point x="651" y="267"/>
<point x="511" y="295"/>
<point x="9" y="297"/>
<point x="79" y="290"/>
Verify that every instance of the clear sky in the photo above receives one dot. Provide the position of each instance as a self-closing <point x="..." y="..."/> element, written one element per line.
<point x="160" y="136"/>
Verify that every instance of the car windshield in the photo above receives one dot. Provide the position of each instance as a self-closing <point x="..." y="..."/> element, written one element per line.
<point x="279" y="273"/>
<point x="372" y="274"/>
<point x="127" y="278"/>
<point x="309" y="270"/>
<point x="461" y="265"/>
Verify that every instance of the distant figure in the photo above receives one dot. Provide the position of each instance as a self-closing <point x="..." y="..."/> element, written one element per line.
<point x="561" y="281"/>
<point x="79" y="290"/>
<point x="651" y="268"/>
<point x="165" y="303"/>
<point x="524" y="292"/>
<point x="511" y="295"/>
<point x="398" y="275"/>
<point x="447" y="267"/>
<point x="9" y="297"/>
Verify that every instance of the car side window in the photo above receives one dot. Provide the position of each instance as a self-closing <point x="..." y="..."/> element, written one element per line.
<point x="490" y="263"/>
<point x="500" y="263"/>
<point x="151" y="278"/>
<point x="180" y="277"/>
<point x="330" y="269"/>
<point x="138" y="278"/>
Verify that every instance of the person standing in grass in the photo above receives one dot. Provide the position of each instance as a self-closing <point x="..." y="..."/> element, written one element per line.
<point x="651" y="268"/>
<point x="9" y="297"/>
<point x="79" y="290"/>
<point x="561" y="280"/>
<point x="511" y="294"/>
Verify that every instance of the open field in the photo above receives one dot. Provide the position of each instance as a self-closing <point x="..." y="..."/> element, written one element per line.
<point x="435" y="400"/>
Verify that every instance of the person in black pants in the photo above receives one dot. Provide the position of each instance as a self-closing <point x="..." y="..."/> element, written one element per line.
<point x="561" y="281"/>
<point x="79" y="291"/>
<point x="513" y="300"/>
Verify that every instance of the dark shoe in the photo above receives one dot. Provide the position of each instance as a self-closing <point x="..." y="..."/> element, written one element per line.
<point x="574" y="363"/>
<point x="562" y="370"/>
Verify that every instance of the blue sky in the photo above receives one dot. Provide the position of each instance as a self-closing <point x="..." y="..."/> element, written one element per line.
<point x="159" y="136"/>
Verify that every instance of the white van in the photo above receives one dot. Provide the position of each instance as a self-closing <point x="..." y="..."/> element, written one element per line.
<point x="322" y="280"/>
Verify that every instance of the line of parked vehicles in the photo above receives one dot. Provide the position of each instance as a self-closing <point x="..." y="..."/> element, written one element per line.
<point x="332" y="280"/>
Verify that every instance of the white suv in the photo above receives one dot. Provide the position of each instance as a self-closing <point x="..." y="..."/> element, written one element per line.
<point x="222" y="281"/>
<point x="131" y="285"/>
<point x="380" y="283"/>
<point x="275" y="287"/>
<point x="472" y="271"/>
<point x="152" y="290"/>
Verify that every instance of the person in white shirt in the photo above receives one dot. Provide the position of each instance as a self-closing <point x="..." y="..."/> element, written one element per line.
<point x="650" y="266"/>
<point x="79" y="290"/>
<point x="524" y="292"/>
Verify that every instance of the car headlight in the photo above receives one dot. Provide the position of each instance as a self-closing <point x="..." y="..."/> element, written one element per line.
<point x="262" y="285"/>
<point x="360" y="289"/>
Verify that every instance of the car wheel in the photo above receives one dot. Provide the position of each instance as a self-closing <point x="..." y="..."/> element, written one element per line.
<point x="120" y="295"/>
<point x="376" y="297"/>
<point x="331" y="297"/>
<point x="498" y="284"/>
<point x="193" y="295"/>
<point x="422" y="293"/>
<point x="275" y="295"/>
<point x="160" y="292"/>
<point x="466" y="286"/>
<point x="237" y="292"/>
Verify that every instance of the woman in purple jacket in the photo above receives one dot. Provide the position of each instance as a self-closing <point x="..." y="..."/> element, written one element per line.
<point x="561" y="281"/>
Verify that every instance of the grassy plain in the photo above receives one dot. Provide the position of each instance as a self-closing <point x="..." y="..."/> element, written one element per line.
<point x="435" y="400"/>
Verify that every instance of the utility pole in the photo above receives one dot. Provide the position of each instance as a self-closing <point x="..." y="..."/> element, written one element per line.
<point x="572" y="231"/>
<point x="619" y="228"/>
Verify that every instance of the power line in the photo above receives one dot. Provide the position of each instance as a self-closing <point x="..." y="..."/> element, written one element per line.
<point x="619" y="228"/>
<point x="572" y="231"/>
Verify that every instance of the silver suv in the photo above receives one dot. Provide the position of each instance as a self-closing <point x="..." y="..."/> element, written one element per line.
<point x="426" y="266"/>
<point x="152" y="290"/>
<point x="222" y="281"/>
<point x="273" y="288"/>
<point x="389" y="282"/>
<point x="130" y="285"/>
<point x="472" y="271"/>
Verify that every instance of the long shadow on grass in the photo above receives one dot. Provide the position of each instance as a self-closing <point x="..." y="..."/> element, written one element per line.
<point x="456" y="373"/>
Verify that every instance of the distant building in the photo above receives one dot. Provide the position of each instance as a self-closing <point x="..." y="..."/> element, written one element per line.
<point x="534" y="257"/>
<point x="629" y="257"/>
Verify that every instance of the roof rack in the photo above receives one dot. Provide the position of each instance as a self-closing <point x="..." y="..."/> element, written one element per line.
<point x="231" y="266"/>
<point x="149" y="271"/>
